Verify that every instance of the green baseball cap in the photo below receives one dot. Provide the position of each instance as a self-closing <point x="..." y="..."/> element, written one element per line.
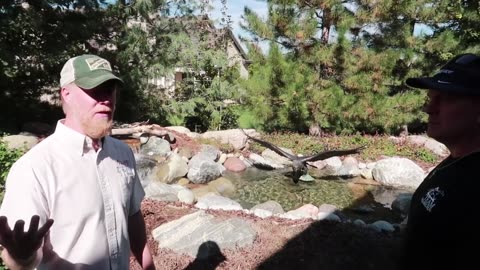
<point x="87" y="71"/>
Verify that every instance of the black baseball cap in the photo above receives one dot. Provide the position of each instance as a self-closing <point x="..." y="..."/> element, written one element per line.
<point x="460" y="75"/>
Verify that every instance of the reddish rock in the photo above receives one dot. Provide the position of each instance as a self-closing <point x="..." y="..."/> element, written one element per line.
<point x="234" y="164"/>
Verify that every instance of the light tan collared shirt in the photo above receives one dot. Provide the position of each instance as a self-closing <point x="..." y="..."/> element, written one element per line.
<point x="89" y="194"/>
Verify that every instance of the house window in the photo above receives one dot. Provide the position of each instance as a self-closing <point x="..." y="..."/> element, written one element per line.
<point x="179" y="76"/>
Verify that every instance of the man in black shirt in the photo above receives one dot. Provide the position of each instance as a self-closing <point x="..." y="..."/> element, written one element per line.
<point x="442" y="230"/>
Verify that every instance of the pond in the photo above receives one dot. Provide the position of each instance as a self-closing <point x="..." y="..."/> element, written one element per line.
<point x="355" y="198"/>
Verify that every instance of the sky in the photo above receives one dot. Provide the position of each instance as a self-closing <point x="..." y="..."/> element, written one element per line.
<point x="235" y="9"/>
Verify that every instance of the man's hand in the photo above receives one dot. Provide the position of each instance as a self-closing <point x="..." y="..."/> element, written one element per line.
<point x="21" y="245"/>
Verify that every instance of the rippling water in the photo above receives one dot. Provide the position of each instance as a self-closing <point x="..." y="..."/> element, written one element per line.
<point x="256" y="186"/>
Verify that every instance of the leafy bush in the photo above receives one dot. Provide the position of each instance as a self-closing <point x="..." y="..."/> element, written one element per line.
<point x="7" y="158"/>
<point x="247" y="119"/>
<point x="425" y="155"/>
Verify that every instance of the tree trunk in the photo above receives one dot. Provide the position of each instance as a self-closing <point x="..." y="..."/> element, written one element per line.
<point x="315" y="130"/>
<point x="326" y="24"/>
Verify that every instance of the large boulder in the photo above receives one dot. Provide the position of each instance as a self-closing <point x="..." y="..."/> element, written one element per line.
<point x="397" y="171"/>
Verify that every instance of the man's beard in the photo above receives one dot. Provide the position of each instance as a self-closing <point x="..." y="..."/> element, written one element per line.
<point x="97" y="128"/>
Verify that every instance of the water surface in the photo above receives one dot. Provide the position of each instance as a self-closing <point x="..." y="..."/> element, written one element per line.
<point x="354" y="198"/>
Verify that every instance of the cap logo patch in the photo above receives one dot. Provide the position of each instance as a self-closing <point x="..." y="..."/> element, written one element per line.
<point x="96" y="63"/>
<point x="446" y="71"/>
<point x="444" y="82"/>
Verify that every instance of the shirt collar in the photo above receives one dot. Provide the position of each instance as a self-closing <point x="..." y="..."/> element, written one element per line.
<point x="76" y="141"/>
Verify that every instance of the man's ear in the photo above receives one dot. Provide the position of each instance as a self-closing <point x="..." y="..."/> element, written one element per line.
<point x="64" y="92"/>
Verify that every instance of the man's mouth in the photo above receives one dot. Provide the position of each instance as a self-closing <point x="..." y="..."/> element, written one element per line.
<point x="103" y="113"/>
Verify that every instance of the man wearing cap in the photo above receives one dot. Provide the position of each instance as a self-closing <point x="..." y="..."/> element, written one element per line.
<point x="442" y="230"/>
<point x="73" y="200"/>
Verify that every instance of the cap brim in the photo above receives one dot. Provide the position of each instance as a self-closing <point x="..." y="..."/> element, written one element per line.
<point x="435" y="84"/>
<point x="95" y="79"/>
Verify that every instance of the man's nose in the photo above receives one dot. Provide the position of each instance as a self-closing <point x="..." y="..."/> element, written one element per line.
<point x="429" y="106"/>
<point x="425" y="107"/>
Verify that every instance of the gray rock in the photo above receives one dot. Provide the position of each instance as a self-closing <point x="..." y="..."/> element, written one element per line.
<point x="145" y="167"/>
<point x="186" y="234"/>
<point x="402" y="203"/>
<point x="359" y="223"/>
<point x="328" y="208"/>
<point x="202" y="171"/>
<point x="271" y="206"/>
<point x="234" y="137"/>
<point x="155" y="146"/>
<point x="398" y="172"/>
<point x="208" y="152"/>
<point x="328" y="216"/>
<point x="161" y="191"/>
<point x="382" y="226"/>
<point x="186" y="196"/>
<point x="215" y="202"/>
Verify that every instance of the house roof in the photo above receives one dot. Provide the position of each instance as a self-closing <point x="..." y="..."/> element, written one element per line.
<point x="194" y="23"/>
<point x="238" y="45"/>
<point x="201" y="28"/>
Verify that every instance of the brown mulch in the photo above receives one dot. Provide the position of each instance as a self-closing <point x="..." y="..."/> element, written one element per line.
<point x="280" y="244"/>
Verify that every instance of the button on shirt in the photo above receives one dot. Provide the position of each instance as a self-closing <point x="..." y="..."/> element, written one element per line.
<point x="89" y="194"/>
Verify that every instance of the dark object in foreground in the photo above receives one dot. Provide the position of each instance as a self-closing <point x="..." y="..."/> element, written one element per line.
<point x="299" y="166"/>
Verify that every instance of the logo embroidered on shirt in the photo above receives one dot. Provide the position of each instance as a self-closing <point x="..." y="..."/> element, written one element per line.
<point x="124" y="169"/>
<point x="430" y="199"/>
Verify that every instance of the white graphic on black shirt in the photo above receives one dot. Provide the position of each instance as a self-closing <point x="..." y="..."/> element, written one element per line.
<point x="430" y="199"/>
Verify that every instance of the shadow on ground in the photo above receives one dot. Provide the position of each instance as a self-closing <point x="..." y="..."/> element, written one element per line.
<point x="208" y="257"/>
<point x="334" y="245"/>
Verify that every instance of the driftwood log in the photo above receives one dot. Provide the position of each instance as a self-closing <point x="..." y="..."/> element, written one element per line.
<point x="143" y="131"/>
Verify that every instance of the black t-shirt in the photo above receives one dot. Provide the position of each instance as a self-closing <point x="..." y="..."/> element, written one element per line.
<point x="443" y="228"/>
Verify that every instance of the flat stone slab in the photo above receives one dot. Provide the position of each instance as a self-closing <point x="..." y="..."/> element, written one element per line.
<point x="186" y="234"/>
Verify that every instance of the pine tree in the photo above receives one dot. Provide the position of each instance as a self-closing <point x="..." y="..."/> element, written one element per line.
<point x="362" y="51"/>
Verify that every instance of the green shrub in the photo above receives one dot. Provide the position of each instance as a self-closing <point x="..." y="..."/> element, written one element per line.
<point x="7" y="158"/>
<point x="247" y="119"/>
<point x="426" y="155"/>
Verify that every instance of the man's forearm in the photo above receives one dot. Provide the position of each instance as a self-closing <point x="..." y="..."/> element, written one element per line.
<point x="27" y="264"/>
<point x="147" y="259"/>
<point x="138" y="241"/>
